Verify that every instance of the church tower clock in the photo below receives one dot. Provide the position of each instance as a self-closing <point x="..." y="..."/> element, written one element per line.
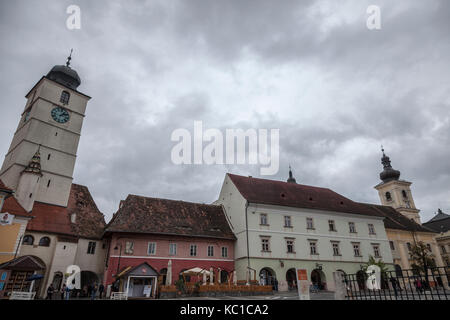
<point x="395" y="192"/>
<point x="49" y="127"/>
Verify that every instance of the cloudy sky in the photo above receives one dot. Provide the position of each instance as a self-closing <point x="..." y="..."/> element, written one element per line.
<point x="334" y="88"/>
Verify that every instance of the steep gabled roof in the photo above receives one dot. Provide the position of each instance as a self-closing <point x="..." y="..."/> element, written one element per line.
<point x="11" y="205"/>
<point x="89" y="221"/>
<point x="396" y="220"/>
<point x="24" y="263"/>
<point x="139" y="214"/>
<point x="439" y="223"/>
<point x="280" y="193"/>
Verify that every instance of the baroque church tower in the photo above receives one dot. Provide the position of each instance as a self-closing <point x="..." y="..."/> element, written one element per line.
<point x="395" y="192"/>
<point x="41" y="158"/>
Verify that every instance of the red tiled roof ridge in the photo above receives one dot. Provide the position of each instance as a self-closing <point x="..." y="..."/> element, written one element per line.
<point x="165" y="199"/>
<point x="281" y="193"/>
<point x="284" y="182"/>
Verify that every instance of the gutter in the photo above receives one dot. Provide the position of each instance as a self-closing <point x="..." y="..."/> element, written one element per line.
<point x="246" y="232"/>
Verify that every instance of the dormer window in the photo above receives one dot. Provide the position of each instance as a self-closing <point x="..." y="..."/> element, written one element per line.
<point x="65" y="96"/>
<point x="388" y="196"/>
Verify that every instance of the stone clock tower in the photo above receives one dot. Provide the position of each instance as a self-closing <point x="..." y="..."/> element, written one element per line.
<point x="47" y="138"/>
<point x="395" y="192"/>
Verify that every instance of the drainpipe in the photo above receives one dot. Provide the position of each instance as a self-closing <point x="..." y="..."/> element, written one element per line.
<point x="248" y="246"/>
<point x="18" y="245"/>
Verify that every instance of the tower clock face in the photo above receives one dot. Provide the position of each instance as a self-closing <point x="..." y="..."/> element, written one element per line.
<point x="60" y="115"/>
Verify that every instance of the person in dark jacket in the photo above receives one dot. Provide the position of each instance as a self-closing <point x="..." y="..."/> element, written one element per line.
<point x="50" y="291"/>
<point x="101" y="288"/>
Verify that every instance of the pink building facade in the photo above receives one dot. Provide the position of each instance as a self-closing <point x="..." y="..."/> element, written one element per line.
<point x="162" y="238"/>
<point x="183" y="252"/>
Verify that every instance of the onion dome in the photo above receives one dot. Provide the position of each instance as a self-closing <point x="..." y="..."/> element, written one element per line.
<point x="35" y="164"/>
<point x="291" y="178"/>
<point x="388" y="173"/>
<point x="65" y="75"/>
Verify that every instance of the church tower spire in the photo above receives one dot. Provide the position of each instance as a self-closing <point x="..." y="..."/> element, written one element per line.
<point x="291" y="178"/>
<point x="394" y="192"/>
<point x="50" y="123"/>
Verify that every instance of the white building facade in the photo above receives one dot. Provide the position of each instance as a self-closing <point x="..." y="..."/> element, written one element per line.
<point x="283" y="226"/>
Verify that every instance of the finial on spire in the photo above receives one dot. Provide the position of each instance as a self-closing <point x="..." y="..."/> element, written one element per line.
<point x="69" y="58"/>
<point x="382" y="150"/>
<point x="291" y="179"/>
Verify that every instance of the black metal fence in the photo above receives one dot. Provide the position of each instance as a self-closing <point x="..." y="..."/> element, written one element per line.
<point x="399" y="285"/>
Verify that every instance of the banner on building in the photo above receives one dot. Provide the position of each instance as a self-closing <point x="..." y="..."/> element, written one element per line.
<point x="303" y="284"/>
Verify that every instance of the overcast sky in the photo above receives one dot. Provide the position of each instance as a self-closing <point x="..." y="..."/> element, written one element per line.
<point x="334" y="88"/>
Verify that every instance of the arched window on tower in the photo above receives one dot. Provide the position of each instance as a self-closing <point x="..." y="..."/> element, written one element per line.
<point x="388" y="196"/>
<point x="28" y="240"/>
<point x="404" y="194"/>
<point x="44" y="242"/>
<point x="65" y="96"/>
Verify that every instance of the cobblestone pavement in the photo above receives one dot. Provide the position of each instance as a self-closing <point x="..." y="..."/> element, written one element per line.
<point x="292" y="295"/>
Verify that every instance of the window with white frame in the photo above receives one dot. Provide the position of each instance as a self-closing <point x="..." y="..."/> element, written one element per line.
<point x="173" y="249"/>
<point x="193" y="250"/>
<point x="331" y="225"/>
<point x="335" y="246"/>
<point x="287" y="221"/>
<point x="263" y="219"/>
<point x="224" y="252"/>
<point x="391" y="244"/>
<point x="265" y="244"/>
<point x="290" y="245"/>
<point x="91" y="247"/>
<point x="313" y="247"/>
<point x="210" y="251"/>
<point x="151" y="249"/>
<point x="309" y="223"/>
<point x="351" y="227"/>
<point x="129" y="247"/>
<point x="376" y="250"/>
<point x="371" y="228"/>
<point x="357" y="249"/>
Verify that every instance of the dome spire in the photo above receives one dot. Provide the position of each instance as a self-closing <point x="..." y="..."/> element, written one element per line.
<point x="388" y="173"/>
<point x="69" y="58"/>
<point x="291" y="178"/>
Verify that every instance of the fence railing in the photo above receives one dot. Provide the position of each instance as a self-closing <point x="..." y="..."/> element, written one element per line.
<point x="411" y="284"/>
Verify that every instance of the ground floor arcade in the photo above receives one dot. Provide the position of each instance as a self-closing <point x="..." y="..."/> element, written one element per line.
<point x="282" y="272"/>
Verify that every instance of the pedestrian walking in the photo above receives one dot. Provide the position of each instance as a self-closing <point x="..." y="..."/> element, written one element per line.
<point x="394" y="285"/>
<point x="50" y="291"/>
<point x="94" y="291"/>
<point x="68" y="292"/>
<point x="101" y="288"/>
<point x="63" y="291"/>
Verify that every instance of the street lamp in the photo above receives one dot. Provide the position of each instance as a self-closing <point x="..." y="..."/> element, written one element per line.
<point x="120" y="254"/>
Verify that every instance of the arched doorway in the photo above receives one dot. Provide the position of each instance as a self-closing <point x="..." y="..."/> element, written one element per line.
<point x="223" y="276"/>
<point x="267" y="276"/>
<point x="87" y="280"/>
<point x="291" y="279"/>
<point x="361" y="278"/>
<point x="318" y="279"/>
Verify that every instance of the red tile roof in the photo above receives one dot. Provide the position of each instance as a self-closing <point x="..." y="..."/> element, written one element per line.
<point x="396" y="220"/>
<point x="139" y="214"/>
<point x="5" y="188"/>
<point x="11" y="205"/>
<point x="281" y="193"/>
<point x="89" y="221"/>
